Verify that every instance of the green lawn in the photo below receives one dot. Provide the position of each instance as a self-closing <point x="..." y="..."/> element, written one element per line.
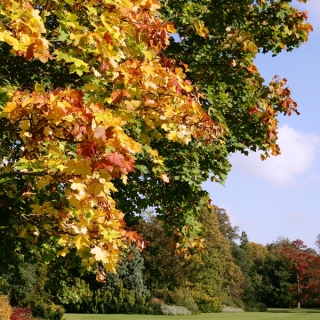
<point x="272" y="314"/>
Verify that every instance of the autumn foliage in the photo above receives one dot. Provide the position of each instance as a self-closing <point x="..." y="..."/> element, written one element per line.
<point x="301" y="261"/>
<point x="5" y="308"/>
<point x="77" y="137"/>
<point x="99" y="120"/>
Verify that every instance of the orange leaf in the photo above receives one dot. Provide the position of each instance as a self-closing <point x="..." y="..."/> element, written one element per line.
<point x="117" y="96"/>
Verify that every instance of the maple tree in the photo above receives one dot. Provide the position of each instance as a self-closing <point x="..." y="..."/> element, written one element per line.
<point x="74" y="140"/>
<point x="221" y="66"/>
<point x="99" y="120"/>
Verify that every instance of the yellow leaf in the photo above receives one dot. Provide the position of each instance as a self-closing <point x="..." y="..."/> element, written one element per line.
<point x="124" y="178"/>
<point x="92" y="10"/>
<point x="27" y="101"/>
<point x="202" y="31"/>
<point x="100" y="254"/>
<point x="78" y="186"/>
<point x="10" y="107"/>
<point x="39" y="87"/>
<point x="63" y="252"/>
<point x="91" y="87"/>
<point x="36" y="209"/>
<point x="54" y="149"/>
<point x="173" y="135"/>
<point x="96" y="188"/>
<point x="63" y="240"/>
<point x="108" y="100"/>
<point x="47" y="131"/>
<point x="83" y="168"/>
<point x="170" y="27"/>
<point x="61" y="167"/>
<point x="165" y="178"/>
<point x="81" y="240"/>
<point x="75" y="202"/>
<point x="25" y="124"/>
<point x="23" y="232"/>
<point x="43" y="181"/>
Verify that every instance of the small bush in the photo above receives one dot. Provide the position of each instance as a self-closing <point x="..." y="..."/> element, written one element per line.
<point x="206" y="302"/>
<point x="231" y="309"/>
<point x="121" y="300"/>
<point x="23" y="284"/>
<point x="21" y="314"/>
<point x="179" y="297"/>
<point x="175" y="310"/>
<point x="47" y="312"/>
<point x="238" y="303"/>
<point x="5" y="308"/>
<point x="256" y="307"/>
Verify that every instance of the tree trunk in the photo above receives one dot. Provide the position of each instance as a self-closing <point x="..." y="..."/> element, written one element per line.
<point x="298" y="279"/>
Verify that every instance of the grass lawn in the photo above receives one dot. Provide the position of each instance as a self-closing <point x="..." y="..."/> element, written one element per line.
<point x="272" y="314"/>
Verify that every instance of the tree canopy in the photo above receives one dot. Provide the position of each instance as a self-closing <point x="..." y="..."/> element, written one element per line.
<point x="104" y="115"/>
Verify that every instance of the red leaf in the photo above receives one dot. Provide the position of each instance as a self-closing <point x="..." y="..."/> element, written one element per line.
<point x="253" y="110"/>
<point x="30" y="51"/>
<point x="117" y="159"/>
<point x="139" y="240"/>
<point x="105" y="163"/>
<point x="87" y="148"/>
<point x="132" y="235"/>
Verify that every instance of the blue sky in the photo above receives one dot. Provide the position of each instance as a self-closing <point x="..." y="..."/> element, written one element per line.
<point x="281" y="196"/>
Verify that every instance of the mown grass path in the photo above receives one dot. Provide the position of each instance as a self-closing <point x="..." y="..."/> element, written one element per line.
<point x="272" y="314"/>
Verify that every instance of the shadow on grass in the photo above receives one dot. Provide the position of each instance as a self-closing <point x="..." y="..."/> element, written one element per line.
<point x="296" y="310"/>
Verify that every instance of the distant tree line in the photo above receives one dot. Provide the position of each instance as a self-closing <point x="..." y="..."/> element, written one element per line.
<point x="227" y="269"/>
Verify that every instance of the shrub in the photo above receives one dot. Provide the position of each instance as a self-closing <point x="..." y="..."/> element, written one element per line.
<point x="256" y="307"/>
<point x="231" y="309"/>
<point x="238" y="303"/>
<point x="207" y="303"/>
<point x="179" y="297"/>
<point x="120" y="300"/>
<point x="23" y="283"/>
<point x="47" y="312"/>
<point x="175" y="310"/>
<point x="5" y="308"/>
<point x="21" y="314"/>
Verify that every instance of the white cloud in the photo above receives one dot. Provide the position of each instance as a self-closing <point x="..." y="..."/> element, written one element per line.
<point x="298" y="154"/>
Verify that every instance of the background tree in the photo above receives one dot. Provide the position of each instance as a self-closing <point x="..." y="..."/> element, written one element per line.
<point x="300" y="259"/>
<point x="317" y="242"/>
<point x="129" y="274"/>
<point x="244" y="259"/>
<point x="228" y="231"/>
<point x="313" y="296"/>
<point x="276" y="276"/>
<point x="210" y="277"/>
